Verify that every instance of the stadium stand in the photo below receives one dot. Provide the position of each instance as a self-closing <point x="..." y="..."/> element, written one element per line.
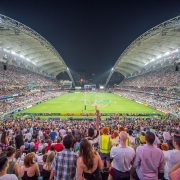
<point x="31" y="148"/>
<point x="166" y="76"/>
<point x="17" y="76"/>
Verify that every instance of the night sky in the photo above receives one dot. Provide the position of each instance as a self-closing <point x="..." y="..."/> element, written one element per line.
<point x="90" y="35"/>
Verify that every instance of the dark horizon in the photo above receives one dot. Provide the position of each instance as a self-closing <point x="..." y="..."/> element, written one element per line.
<point x="90" y="35"/>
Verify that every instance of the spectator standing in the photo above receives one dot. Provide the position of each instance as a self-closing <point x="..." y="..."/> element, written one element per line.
<point x="58" y="146"/>
<point x="172" y="157"/>
<point x="19" y="140"/>
<point x="93" y="136"/>
<point x="105" y="146"/>
<point x="166" y="135"/>
<point x="4" y="165"/>
<point x="149" y="160"/>
<point x="53" y="134"/>
<point x="28" y="136"/>
<point x="4" y="141"/>
<point x="62" y="132"/>
<point x="41" y="146"/>
<point x="13" y="165"/>
<point x="89" y="162"/>
<point x="64" y="164"/>
<point x="122" y="159"/>
<point x="46" y="171"/>
<point x="174" y="173"/>
<point x="30" y="170"/>
<point x="26" y="144"/>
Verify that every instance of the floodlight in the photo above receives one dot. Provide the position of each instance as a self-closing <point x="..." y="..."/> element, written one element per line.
<point x="13" y="52"/>
<point x="112" y="69"/>
<point x="152" y="60"/>
<point x="22" y="56"/>
<point x="67" y="68"/>
<point x="167" y="53"/>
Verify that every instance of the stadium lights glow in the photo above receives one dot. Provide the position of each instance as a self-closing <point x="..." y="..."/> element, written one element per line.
<point x="112" y="69"/>
<point x="22" y="56"/>
<point x="159" y="56"/>
<point x="165" y="54"/>
<point x="13" y="52"/>
<point x="6" y="50"/>
<point x="67" y="68"/>
<point x="152" y="60"/>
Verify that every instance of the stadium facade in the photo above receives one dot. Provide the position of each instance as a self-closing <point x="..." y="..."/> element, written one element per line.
<point x="23" y="42"/>
<point x="160" y="42"/>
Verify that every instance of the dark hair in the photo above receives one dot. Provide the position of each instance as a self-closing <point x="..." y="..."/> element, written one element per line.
<point x="10" y="151"/>
<point x="45" y="157"/>
<point x="3" y="162"/>
<point x="58" y="140"/>
<point x="52" y="148"/>
<point x="177" y="140"/>
<point x="90" y="132"/>
<point x="33" y="149"/>
<point x="150" y="137"/>
<point x="67" y="141"/>
<point x="18" y="154"/>
<point x="130" y="132"/>
<point x="3" y="137"/>
<point x="87" y="153"/>
<point x="43" y="151"/>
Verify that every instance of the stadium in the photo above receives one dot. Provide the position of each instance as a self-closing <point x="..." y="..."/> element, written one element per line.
<point x="43" y="116"/>
<point x="30" y="64"/>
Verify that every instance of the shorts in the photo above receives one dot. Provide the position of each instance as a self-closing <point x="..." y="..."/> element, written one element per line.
<point x="105" y="156"/>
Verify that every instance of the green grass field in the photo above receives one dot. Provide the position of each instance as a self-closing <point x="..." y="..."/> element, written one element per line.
<point x="106" y="103"/>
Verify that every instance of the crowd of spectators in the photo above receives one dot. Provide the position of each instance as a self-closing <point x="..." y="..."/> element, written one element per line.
<point x="166" y="76"/>
<point x="165" y="100"/>
<point x="17" y="76"/>
<point x="68" y="150"/>
<point x="10" y="104"/>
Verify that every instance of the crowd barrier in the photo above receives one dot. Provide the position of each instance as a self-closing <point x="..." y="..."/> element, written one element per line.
<point x="88" y="114"/>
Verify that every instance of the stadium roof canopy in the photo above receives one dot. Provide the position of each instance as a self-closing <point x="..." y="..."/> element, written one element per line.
<point x="158" y="42"/>
<point x="25" y="42"/>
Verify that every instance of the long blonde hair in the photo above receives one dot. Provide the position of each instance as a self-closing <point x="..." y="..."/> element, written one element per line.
<point x="50" y="159"/>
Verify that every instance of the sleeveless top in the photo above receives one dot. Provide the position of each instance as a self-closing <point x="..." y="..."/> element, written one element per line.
<point x="10" y="169"/>
<point x="96" y="175"/>
<point x="26" y="177"/>
<point x="46" y="174"/>
<point x="93" y="176"/>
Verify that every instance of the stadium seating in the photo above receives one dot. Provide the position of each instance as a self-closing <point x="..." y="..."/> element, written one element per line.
<point x="17" y="76"/>
<point x="166" y="76"/>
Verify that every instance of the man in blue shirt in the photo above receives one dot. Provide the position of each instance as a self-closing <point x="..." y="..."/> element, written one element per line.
<point x="53" y="134"/>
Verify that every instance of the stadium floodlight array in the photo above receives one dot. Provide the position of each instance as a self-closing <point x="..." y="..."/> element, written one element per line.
<point x="160" y="56"/>
<point x="19" y="55"/>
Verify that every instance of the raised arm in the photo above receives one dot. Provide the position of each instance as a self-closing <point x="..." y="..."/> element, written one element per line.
<point x="97" y="119"/>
